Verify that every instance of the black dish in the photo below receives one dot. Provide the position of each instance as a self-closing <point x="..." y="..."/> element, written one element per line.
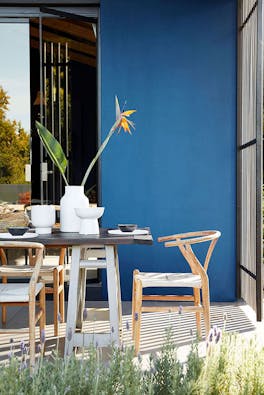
<point x="127" y="227"/>
<point x="17" y="230"/>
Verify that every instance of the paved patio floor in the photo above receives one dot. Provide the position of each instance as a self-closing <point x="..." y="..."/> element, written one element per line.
<point x="239" y="318"/>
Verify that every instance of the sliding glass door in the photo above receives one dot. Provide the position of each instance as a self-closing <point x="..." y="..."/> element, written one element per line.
<point x="61" y="75"/>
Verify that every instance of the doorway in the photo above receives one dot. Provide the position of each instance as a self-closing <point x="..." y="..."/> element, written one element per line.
<point x="63" y="63"/>
<point x="61" y="59"/>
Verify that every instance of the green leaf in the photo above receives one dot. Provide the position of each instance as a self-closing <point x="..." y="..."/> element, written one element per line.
<point x="53" y="148"/>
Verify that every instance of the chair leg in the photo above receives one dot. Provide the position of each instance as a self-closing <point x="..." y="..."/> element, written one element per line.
<point x="61" y="296"/>
<point x="56" y="301"/>
<point x="61" y="282"/>
<point x="137" y="314"/>
<point x="42" y="306"/>
<point x="32" y="306"/>
<point x="136" y="271"/>
<point x="197" y="302"/>
<point x="206" y="307"/>
<point x="3" y="315"/>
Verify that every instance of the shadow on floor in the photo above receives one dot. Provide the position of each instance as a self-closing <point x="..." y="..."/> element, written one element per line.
<point x="153" y="330"/>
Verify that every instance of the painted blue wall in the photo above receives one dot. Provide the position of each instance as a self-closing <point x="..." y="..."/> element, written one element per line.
<point x="175" y="62"/>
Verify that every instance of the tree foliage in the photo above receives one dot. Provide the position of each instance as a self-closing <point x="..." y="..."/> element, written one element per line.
<point x="14" y="146"/>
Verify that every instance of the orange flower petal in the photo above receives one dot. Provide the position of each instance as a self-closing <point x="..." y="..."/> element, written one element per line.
<point x="125" y="125"/>
<point x="128" y="113"/>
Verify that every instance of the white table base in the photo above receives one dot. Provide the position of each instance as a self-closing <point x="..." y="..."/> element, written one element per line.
<point x="75" y="337"/>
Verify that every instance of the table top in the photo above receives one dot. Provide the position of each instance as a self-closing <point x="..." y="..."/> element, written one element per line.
<point x="57" y="238"/>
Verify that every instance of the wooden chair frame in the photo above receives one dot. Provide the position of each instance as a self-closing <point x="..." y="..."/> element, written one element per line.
<point x="53" y="285"/>
<point x="197" y="279"/>
<point x="23" y="272"/>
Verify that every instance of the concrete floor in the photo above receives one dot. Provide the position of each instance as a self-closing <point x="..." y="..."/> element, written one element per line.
<point x="240" y="319"/>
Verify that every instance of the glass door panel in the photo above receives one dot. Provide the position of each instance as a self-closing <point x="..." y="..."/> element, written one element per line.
<point x="64" y="88"/>
<point x="15" y="186"/>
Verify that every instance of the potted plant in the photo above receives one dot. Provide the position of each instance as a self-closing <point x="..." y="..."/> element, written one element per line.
<point x="74" y="196"/>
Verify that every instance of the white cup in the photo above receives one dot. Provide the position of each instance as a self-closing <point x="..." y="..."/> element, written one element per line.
<point x="43" y="218"/>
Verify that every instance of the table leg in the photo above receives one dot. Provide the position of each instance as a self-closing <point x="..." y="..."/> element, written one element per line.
<point x="81" y="298"/>
<point x="72" y="301"/>
<point x="118" y="291"/>
<point x="113" y="292"/>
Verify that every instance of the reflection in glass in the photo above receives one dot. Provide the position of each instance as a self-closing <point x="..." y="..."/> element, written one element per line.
<point x="14" y="111"/>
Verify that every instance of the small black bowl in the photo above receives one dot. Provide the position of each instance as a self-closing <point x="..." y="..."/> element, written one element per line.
<point x="17" y="230"/>
<point x="127" y="227"/>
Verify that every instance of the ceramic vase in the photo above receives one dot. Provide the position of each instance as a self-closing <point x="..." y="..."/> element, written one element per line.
<point x="74" y="197"/>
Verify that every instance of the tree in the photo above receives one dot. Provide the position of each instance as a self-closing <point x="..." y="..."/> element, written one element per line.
<point x="14" y="146"/>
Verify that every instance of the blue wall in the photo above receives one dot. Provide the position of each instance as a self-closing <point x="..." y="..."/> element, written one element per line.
<point x="175" y="62"/>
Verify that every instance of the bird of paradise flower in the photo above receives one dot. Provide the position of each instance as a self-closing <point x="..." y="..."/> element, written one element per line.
<point x="55" y="151"/>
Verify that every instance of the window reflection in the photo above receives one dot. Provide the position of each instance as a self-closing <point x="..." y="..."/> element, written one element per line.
<point x="14" y="112"/>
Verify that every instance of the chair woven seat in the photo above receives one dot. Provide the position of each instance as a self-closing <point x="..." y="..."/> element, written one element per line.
<point x="169" y="280"/>
<point x="17" y="293"/>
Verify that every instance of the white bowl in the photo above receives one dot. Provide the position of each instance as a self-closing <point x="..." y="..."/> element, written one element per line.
<point x="89" y="212"/>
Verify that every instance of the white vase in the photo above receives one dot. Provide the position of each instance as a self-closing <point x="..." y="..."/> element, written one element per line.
<point x="74" y="197"/>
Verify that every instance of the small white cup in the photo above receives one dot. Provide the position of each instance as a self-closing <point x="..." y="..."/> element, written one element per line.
<point x="43" y="218"/>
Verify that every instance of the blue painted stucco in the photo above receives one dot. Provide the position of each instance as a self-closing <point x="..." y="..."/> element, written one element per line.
<point x="175" y="62"/>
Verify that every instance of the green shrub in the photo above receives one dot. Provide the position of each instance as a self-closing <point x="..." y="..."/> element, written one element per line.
<point x="232" y="366"/>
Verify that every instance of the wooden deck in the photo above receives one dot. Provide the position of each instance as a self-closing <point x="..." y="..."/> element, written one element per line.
<point x="240" y="319"/>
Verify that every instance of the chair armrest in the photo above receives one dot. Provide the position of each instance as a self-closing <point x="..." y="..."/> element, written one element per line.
<point x="190" y="238"/>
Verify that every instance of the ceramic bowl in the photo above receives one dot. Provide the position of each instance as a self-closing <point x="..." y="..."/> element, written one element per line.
<point x="17" y="230"/>
<point x="89" y="212"/>
<point x="127" y="227"/>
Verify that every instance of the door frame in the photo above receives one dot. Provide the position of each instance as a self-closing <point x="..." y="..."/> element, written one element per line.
<point x="255" y="277"/>
<point x="85" y="10"/>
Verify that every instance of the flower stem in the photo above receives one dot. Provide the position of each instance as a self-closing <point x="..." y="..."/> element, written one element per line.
<point x="100" y="150"/>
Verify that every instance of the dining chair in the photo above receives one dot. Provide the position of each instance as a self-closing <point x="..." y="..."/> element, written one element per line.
<point x="24" y="293"/>
<point x="197" y="279"/>
<point x="52" y="274"/>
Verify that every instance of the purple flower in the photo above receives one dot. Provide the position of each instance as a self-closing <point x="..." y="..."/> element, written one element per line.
<point x="112" y="329"/>
<point x="211" y="335"/>
<point x="180" y="309"/>
<point x="42" y="336"/>
<point x="22" y="346"/>
<point x="218" y="336"/>
<point x="215" y="330"/>
<point x="136" y="316"/>
<point x="127" y="326"/>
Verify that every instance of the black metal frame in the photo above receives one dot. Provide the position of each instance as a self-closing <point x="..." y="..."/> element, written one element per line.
<point x="258" y="141"/>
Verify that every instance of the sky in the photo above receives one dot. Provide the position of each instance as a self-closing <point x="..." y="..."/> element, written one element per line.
<point x="14" y="70"/>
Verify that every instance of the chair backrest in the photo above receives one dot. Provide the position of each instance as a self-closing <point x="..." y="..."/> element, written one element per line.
<point x="38" y="259"/>
<point x="185" y="240"/>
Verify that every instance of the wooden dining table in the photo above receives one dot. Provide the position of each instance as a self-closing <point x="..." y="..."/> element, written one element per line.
<point x="107" y="246"/>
